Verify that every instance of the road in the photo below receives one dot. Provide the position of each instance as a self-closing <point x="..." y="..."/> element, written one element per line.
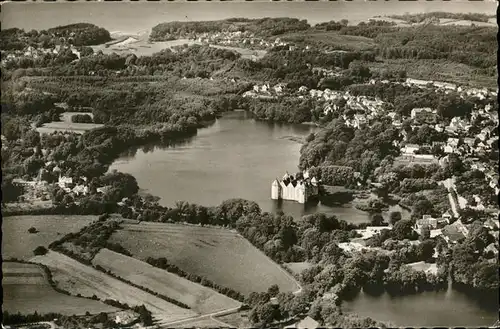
<point x="448" y="183"/>
<point x="210" y="316"/>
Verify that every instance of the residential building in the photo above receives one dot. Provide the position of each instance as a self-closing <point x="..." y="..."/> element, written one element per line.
<point x="424" y="115"/>
<point x="410" y="149"/>
<point x="126" y="318"/>
<point x="428" y="221"/>
<point x="306" y="323"/>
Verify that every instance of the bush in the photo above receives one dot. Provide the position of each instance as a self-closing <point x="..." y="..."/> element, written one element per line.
<point x="40" y="251"/>
<point x="82" y="118"/>
<point x="32" y="230"/>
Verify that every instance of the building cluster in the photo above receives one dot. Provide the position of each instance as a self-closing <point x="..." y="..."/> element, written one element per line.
<point x="299" y="189"/>
<point x="238" y="39"/>
<point x="265" y="91"/>
<point x="35" y="53"/>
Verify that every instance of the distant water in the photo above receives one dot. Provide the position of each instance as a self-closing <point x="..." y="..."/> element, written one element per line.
<point x="134" y="17"/>
<point x="449" y="308"/>
<point x="236" y="157"/>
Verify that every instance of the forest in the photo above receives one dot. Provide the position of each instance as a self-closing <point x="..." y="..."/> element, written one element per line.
<point x="264" y="27"/>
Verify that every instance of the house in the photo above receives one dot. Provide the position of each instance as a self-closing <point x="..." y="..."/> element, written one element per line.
<point x="126" y="318"/>
<point x="81" y="190"/>
<point x="436" y="232"/>
<point x="491" y="248"/>
<point x="103" y="189"/>
<point x="425" y="114"/>
<point x="424" y="158"/>
<point x="306" y="323"/>
<point x="410" y="149"/>
<point x="447" y="216"/>
<point x="492" y="224"/>
<point x="351" y="247"/>
<point x="359" y="121"/>
<point x="445" y="85"/>
<point x="64" y="182"/>
<point x="428" y="221"/>
<point x="370" y="231"/>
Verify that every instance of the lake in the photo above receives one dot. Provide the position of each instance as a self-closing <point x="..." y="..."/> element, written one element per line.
<point x="236" y="157"/>
<point x="449" y="308"/>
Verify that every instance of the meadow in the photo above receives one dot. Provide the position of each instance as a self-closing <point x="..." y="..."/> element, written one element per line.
<point x="78" y="278"/>
<point x="298" y="267"/>
<point x="26" y="290"/>
<point x="220" y="255"/>
<point x="79" y="128"/>
<point x="201" y="299"/>
<point x="19" y="243"/>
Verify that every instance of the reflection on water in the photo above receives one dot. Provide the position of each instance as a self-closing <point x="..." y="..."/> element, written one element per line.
<point x="447" y="308"/>
<point x="236" y="157"/>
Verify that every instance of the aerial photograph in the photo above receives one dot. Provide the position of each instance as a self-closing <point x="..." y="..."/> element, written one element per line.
<point x="249" y="164"/>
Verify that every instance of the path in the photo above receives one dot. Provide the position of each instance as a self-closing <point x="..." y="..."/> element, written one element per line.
<point x="448" y="183"/>
<point x="211" y="316"/>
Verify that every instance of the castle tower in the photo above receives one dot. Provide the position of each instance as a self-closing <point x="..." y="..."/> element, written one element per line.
<point x="276" y="190"/>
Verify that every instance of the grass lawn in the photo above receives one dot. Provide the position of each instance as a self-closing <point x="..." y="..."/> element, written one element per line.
<point x="26" y="290"/>
<point x="297" y="268"/>
<point x="201" y="299"/>
<point x="76" y="277"/>
<point x="78" y="128"/>
<point x="221" y="256"/>
<point x="18" y="243"/>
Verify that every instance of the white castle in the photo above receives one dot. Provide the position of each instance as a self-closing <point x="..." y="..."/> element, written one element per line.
<point x="290" y="188"/>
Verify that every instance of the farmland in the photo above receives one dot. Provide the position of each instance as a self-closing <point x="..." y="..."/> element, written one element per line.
<point x="27" y="290"/>
<point x="77" y="278"/>
<point x="206" y="252"/>
<point x="20" y="244"/>
<point x="201" y="299"/>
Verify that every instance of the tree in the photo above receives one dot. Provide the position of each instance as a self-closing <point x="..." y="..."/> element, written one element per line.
<point x="425" y="250"/>
<point x="394" y="217"/>
<point x="32" y="230"/>
<point x="40" y="251"/>
<point x="403" y="230"/>
<point x="273" y="290"/>
<point x="376" y="219"/>
<point x="422" y="207"/>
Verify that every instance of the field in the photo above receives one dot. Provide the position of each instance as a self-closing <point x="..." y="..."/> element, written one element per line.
<point x="201" y="299"/>
<point x="20" y="244"/>
<point x="27" y="290"/>
<point x="438" y="70"/>
<point x="297" y="268"/>
<point x="77" y="278"/>
<point x="221" y="256"/>
<point x="79" y="128"/>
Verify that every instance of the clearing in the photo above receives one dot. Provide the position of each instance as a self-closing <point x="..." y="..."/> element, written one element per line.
<point x="298" y="267"/>
<point x="201" y="299"/>
<point x="27" y="290"/>
<point x="79" y="128"/>
<point x="20" y="244"/>
<point x="78" y="278"/>
<point x="220" y="255"/>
